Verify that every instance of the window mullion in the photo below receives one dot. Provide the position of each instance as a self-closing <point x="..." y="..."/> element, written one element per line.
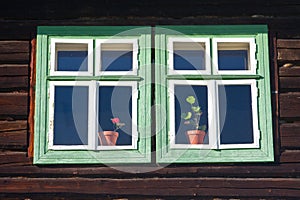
<point x="93" y="114"/>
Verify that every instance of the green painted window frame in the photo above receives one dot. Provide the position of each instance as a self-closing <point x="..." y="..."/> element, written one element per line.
<point x="166" y="154"/>
<point x="43" y="155"/>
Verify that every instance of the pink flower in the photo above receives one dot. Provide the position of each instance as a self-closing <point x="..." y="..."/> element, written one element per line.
<point x="115" y="120"/>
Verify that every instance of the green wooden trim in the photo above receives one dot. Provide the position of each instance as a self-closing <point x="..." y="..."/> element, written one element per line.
<point x="212" y="29"/>
<point x="96" y="78"/>
<point x="92" y="30"/>
<point x="167" y="155"/>
<point x="42" y="155"/>
<point x="212" y="77"/>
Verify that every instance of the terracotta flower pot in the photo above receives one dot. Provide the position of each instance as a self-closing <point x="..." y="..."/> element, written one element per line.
<point x="108" y="138"/>
<point x="195" y="136"/>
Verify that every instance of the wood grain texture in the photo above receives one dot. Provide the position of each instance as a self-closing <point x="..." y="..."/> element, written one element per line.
<point x="289" y="82"/>
<point x="13" y="135"/>
<point x="14" y="70"/>
<point x="288" y="54"/>
<point x="289" y="71"/>
<point x="290" y="104"/>
<point x="288" y="43"/>
<point x="290" y="156"/>
<point x="234" y="187"/>
<point x="13" y="103"/>
<point x="290" y="135"/>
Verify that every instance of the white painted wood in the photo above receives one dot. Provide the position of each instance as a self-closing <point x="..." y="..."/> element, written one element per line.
<point x="70" y="44"/>
<point x="195" y="45"/>
<point x="211" y="122"/>
<point x="135" y="133"/>
<point x="116" y="44"/>
<point x="51" y="120"/>
<point x="235" y="44"/>
<point x="256" y="131"/>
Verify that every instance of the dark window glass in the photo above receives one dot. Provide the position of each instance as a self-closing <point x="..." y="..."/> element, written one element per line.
<point x="189" y="60"/>
<point x="71" y="115"/>
<point x="116" y="102"/>
<point x="233" y="59"/>
<point x="116" y="60"/>
<point x="182" y="106"/>
<point x="72" y="61"/>
<point x="235" y="114"/>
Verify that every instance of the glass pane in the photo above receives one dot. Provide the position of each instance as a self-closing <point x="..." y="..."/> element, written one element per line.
<point x="71" y="57"/>
<point x="233" y="56"/>
<point x="182" y="109"/>
<point x="116" y="102"/>
<point x="235" y="114"/>
<point x="71" y="115"/>
<point x="189" y="56"/>
<point x="116" y="57"/>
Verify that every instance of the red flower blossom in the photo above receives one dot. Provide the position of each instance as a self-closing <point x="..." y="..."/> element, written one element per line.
<point x="115" y="120"/>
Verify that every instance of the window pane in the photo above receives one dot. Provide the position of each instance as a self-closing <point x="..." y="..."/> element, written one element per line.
<point x="182" y="107"/>
<point x="189" y="56"/>
<point x="71" y="115"/>
<point x="235" y="114"/>
<point x="233" y="56"/>
<point x="116" y="102"/>
<point x="116" y="57"/>
<point x="71" y="57"/>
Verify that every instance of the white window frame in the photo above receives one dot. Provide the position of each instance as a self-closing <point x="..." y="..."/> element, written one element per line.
<point x="53" y="57"/>
<point x="99" y="42"/>
<point x="252" y="62"/>
<point x="211" y="115"/>
<point x="91" y="114"/>
<point x="256" y="131"/>
<point x="134" y="106"/>
<point x="170" y="48"/>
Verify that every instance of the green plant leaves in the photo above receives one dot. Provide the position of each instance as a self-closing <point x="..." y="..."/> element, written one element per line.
<point x="190" y="99"/>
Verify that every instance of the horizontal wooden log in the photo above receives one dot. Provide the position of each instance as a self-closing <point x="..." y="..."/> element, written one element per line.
<point x="290" y="135"/>
<point x="14" y="82"/>
<point x="14" y="70"/>
<point x="14" y="57"/>
<point x="233" y="187"/>
<point x="290" y="156"/>
<point x="289" y="82"/>
<point x="13" y="135"/>
<point x="14" y="46"/>
<point x="288" y="54"/>
<point x="290" y="104"/>
<point x="242" y="171"/>
<point x="288" y="43"/>
<point x="13" y="103"/>
<point x="289" y="71"/>
<point x="13" y="158"/>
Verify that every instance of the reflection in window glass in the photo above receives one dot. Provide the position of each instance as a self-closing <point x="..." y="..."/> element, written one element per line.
<point x="189" y="56"/>
<point x="233" y="56"/>
<point x="71" y="115"/>
<point x="116" y="57"/>
<point x="71" y="57"/>
<point x="236" y="119"/>
<point x="181" y="106"/>
<point x="116" y="102"/>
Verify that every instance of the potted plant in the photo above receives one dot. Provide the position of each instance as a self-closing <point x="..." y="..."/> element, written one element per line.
<point x="109" y="138"/>
<point x="197" y="134"/>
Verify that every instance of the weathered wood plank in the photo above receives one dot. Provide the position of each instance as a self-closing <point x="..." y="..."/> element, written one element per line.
<point x="13" y="82"/>
<point x="290" y="135"/>
<point x="288" y="43"/>
<point x="289" y="71"/>
<point x="13" y="135"/>
<point x="290" y="156"/>
<point x="13" y="46"/>
<point x="234" y="187"/>
<point x="14" y="158"/>
<point x="288" y="54"/>
<point x="242" y="171"/>
<point x="289" y="82"/>
<point x="14" y="57"/>
<point x="13" y="103"/>
<point x="14" y="70"/>
<point x="290" y="104"/>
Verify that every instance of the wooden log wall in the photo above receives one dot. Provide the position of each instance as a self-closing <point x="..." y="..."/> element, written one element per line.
<point x="20" y="179"/>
